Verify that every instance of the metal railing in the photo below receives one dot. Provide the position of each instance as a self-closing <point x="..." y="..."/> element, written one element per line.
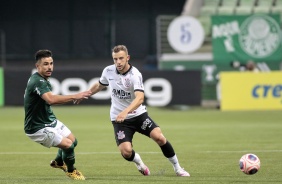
<point x="162" y="23"/>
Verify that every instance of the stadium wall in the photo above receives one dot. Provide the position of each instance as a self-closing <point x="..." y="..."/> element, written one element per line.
<point x="162" y="88"/>
<point x="82" y="29"/>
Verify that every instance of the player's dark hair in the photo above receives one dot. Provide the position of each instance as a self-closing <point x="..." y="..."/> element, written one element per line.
<point x="42" y="54"/>
<point x="120" y="48"/>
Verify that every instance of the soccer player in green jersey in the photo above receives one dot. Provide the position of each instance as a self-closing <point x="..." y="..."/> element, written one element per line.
<point x="41" y="124"/>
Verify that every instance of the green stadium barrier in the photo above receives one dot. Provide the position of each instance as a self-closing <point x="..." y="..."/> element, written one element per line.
<point x="1" y="87"/>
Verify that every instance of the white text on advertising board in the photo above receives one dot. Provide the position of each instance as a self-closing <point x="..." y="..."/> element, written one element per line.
<point x="160" y="97"/>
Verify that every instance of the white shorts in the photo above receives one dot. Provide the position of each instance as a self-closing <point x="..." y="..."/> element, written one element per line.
<point x="49" y="136"/>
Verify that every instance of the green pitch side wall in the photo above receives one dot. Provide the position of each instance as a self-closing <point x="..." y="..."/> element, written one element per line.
<point x="1" y="87"/>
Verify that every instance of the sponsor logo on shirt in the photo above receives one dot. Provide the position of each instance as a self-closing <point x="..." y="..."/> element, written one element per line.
<point x="121" y="94"/>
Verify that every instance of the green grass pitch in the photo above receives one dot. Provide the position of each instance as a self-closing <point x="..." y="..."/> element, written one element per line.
<point x="208" y="143"/>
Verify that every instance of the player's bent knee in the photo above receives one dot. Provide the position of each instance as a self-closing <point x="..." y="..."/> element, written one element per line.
<point x="65" y="143"/>
<point x="159" y="139"/>
<point x="126" y="152"/>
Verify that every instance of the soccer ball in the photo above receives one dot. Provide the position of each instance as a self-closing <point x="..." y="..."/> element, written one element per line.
<point x="249" y="164"/>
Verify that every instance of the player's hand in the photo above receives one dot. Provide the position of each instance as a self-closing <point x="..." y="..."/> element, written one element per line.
<point x="82" y="95"/>
<point x="121" y="117"/>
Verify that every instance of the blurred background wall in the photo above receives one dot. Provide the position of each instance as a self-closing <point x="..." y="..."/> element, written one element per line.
<point x="84" y="29"/>
<point x="82" y="33"/>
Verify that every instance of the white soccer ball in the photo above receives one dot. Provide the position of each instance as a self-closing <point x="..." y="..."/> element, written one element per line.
<point x="249" y="164"/>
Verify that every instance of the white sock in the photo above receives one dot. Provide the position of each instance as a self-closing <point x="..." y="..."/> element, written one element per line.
<point x="174" y="161"/>
<point x="137" y="159"/>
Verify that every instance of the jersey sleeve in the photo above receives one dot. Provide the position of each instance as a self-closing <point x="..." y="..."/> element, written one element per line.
<point x="103" y="79"/>
<point x="41" y="87"/>
<point x="138" y="82"/>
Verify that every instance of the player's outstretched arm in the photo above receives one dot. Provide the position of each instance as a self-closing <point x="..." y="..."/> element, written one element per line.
<point x="93" y="89"/>
<point x="52" y="99"/>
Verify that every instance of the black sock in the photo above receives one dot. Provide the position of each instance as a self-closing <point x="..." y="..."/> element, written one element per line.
<point x="167" y="150"/>
<point x="131" y="157"/>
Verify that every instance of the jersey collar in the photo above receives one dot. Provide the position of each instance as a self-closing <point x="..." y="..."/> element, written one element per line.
<point x="126" y="71"/>
<point x="36" y="73"/>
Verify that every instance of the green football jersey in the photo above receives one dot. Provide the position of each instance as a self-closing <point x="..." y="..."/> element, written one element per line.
<point x="38" y="113"/>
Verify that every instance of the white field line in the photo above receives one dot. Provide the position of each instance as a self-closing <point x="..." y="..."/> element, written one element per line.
<point x="102" y="153"/>
<point x="243" y="151"/>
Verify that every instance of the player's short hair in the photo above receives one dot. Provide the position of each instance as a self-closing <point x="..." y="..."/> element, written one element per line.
<point x="120" y="48"/>
<point x="42" y="54"/>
